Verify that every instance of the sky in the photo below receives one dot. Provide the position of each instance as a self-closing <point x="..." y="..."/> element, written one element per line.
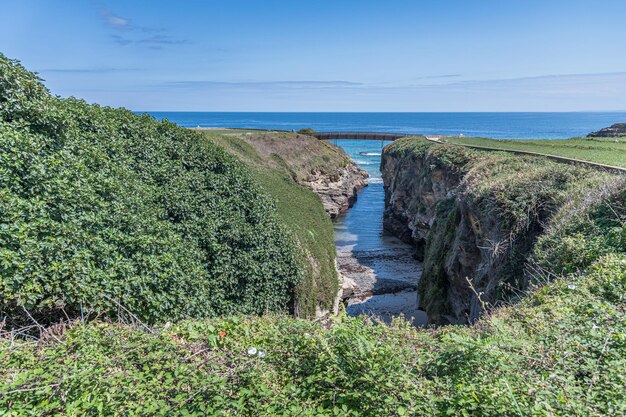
<point x="325" y="55"/>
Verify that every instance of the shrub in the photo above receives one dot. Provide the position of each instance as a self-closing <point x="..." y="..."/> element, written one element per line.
<point x="306" y="131"/>
<point x="102" y="208"/>
<point x="585" y="230"/>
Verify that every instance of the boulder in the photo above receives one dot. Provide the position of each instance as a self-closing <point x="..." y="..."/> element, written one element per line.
<point x="615" y="131"/>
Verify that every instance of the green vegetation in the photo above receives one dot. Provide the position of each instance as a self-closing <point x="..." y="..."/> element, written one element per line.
<point x="433" y="288"/>
<point x="279" y="163"/>
<point x="561" y="351"/>
<point x="608" y="151"/>
<point x="583" y="230"/>
<point x="306" y="131"/>
<point x="101" y="208"/>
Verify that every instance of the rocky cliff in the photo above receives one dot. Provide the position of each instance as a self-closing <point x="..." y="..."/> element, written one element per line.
<point x="615" y="131"/>
<point x="338" y="190"/>
<point x="474" y="218"/>
<point x="311" y="182"/>
<point x="323" y="168"/>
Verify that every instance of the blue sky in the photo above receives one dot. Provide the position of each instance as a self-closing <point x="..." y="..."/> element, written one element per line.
<point x="323" y="55"/>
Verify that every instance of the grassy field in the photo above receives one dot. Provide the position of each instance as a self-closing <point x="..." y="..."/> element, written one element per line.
<point x="609" y="151"/>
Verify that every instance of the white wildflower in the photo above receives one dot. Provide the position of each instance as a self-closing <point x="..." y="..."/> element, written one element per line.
<point x="307" y="336"/>
<point x="252" y="351"/>
<point x="261" y="353"/>
<point x="571" y="286"/>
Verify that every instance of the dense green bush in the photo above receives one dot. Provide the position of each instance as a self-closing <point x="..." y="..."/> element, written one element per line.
<point x="306" y="131"/>
<point x="102" y="208"/>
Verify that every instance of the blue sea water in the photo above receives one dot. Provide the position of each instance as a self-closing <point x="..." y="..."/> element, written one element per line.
<point x="361" y="228"/>
<point x="495" y="125"/>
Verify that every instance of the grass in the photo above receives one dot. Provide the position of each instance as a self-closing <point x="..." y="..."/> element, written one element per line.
<point x="560" y="352"/>
<point x="608" y="151"/>
<point x="278" y="165"/>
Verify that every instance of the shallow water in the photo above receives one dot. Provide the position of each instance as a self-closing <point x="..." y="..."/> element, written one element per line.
<point x="382" y="266"/>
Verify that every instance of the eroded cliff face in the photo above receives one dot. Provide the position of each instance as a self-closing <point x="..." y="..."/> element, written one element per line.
<point x="421" y="196"/>
<point x="469" y="252"/>
<point x="413" y="188"/>
<point x="338" y="190"/>
<point x="318" y="165"/>
<point x="297" y="169"/>
<point x="326" y="170"/>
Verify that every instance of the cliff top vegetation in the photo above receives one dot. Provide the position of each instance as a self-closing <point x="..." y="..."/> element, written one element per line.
<point x="608" y="151"/>
<point x="280" y="162"/>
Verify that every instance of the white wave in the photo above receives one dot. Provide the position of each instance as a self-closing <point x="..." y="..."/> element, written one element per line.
<point x="370" y="153"/>
<point x="374" y="180"/>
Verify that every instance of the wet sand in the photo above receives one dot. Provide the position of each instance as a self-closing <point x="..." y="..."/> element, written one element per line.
<point x="385" y="307"/>
<point x="386" y="283"/>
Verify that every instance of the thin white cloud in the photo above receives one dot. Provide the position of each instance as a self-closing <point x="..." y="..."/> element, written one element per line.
<point x="115" y="21"/>
<point x="437" y="77"/>
<point x="565" y="92"/>
<point x="93" y="70"/>
<point x="285" y="84"/>
<point x="129" y="33"/>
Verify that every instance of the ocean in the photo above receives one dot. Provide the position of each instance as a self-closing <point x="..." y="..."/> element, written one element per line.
<point x="494" y="125"/>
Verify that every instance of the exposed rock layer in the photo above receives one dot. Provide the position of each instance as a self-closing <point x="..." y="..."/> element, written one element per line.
<point x="614" y="131"/>
<point x="466" y="249"/>
<point x="323" y="168"/>
<point x="412" y="191"/>
<point x="338" y="191"/>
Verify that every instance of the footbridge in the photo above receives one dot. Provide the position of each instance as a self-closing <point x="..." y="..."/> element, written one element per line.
<point x="359" y="135"/>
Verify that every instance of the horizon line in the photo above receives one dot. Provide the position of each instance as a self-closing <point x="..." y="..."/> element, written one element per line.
<point x="348" y="112"/>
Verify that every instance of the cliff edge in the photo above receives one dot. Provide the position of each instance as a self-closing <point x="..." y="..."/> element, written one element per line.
<point x="481" y="221"/>
<point x="311" y="181"/>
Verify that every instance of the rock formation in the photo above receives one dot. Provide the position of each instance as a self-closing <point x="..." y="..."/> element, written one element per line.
<point x="323" y="168"/>
<point x="468" y="251"/>
<point x="339" y="191"/>
<point x="614" y="131"/>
